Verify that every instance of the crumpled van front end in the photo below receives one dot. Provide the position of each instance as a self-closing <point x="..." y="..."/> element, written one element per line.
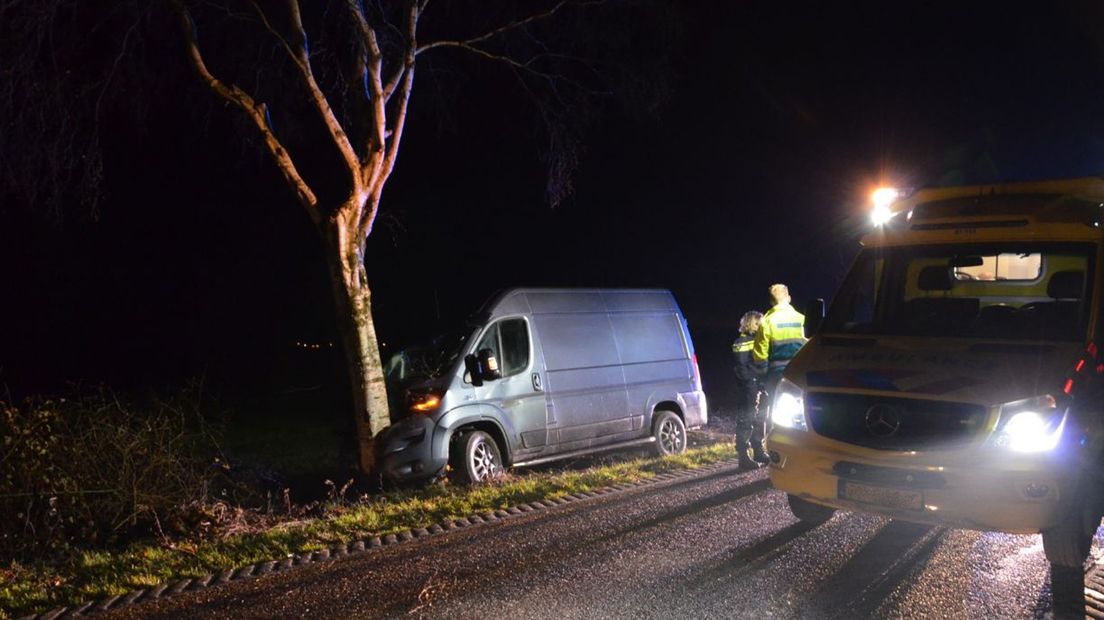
<point x="415" y="447"/>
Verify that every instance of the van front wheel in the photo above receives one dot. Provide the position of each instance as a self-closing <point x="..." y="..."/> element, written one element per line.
<point x="669" y="433"/>
<point x="476" y="458"/>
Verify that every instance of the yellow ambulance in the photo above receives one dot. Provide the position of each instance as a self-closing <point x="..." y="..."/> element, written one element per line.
<point x="956" y="378"/>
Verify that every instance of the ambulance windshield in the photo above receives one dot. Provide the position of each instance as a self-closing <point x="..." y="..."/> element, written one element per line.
<point x="1007" y="291"/>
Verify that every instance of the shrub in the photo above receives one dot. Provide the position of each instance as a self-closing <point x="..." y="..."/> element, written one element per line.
<point x="92" y="470"/>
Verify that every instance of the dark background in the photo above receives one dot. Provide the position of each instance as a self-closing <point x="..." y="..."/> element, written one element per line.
<point x="779" y="121"/>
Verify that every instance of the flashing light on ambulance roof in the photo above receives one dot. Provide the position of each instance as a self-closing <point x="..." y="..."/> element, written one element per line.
<point x="883" y="198"/>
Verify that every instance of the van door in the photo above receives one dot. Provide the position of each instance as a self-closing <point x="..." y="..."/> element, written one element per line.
<point x="520" y="391"/>
<point x="655" y="359"/>
<point x="585" y="382"/>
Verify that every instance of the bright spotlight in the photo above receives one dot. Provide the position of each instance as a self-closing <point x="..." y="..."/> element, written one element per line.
<point x="883" y="198"/>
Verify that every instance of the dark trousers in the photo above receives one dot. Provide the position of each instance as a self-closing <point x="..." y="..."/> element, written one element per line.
<point x="751" y="417"/>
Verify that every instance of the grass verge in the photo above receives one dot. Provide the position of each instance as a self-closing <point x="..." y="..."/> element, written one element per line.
<point x="92" y="575"/>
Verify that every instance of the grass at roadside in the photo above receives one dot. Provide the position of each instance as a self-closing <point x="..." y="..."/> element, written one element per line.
<point x="96" y="574"/>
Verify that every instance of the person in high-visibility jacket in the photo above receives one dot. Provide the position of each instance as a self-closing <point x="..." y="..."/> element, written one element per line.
<point x="751" y="419"/>
<point x="781" y="334"/>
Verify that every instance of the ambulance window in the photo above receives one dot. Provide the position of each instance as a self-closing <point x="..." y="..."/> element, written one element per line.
<point x="855" y="309"/>
<point x="1008" y="267"/>
<point x="866" y="292"/>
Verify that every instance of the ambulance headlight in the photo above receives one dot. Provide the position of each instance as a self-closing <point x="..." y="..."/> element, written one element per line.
<point x="1030" y="425"/>
<point x="788" y="406"/>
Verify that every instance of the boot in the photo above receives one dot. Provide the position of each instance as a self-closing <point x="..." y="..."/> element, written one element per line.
<point x="746" y="462"/>
<point x="759" y="453"/>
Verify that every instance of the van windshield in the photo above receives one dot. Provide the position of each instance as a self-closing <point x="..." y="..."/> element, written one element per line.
<point x="429" y="360"/>
<point x="1013" y="291"/>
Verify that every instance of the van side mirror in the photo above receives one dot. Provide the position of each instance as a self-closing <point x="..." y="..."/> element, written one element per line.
<point x="471" y="364"/>
<point x="482" y="366"/>
<point x="814" y="316"/>
<point x="488" y="365"/>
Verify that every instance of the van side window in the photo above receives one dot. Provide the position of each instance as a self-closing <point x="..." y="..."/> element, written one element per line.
<point x="509" y="341"/>
<point x="515" y="346"/>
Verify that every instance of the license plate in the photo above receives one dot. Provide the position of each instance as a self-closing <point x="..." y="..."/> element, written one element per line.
<point x="881" y="496"/>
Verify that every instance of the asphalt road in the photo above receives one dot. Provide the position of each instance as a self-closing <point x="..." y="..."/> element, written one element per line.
<point x="722" y="544"/>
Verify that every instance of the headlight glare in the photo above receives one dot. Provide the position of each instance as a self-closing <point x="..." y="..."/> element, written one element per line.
<point x="1031" y="425"/>
<point x="788" y="407"/>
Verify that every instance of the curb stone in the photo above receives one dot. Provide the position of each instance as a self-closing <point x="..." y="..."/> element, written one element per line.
<point x="131" y="598"/>
<point x="179" y="586"/>
<point x="107" y="603"/>
<point x="251" y="571"/>
<point x="157" y="591"/>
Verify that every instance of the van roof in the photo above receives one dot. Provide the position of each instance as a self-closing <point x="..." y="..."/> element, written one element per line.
<point x="560" y="300"/>
<point x="1054" y="210"/>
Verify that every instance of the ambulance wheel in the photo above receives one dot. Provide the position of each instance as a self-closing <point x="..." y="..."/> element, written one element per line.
<point x="807" y="511"/>
<point x="475" y="458"/>
<point x="1068" y="543"/>
<point x="669" y="433"/>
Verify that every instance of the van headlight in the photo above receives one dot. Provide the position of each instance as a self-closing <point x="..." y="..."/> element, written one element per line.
<point x="423" y="400"/>
<point x="1030" y="425"/>
<point x="788" y="406"/>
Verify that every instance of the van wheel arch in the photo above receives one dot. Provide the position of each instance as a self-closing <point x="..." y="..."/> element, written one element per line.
<point x="489" y="427"/>
<point x="668" y="405"/>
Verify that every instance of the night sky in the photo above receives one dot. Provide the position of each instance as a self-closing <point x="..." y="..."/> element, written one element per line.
<point x="778" y="123"/>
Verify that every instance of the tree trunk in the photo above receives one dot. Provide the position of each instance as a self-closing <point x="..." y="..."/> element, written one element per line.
<point x="353" y="303"/>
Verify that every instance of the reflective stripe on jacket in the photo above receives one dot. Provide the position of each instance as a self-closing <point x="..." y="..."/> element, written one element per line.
<point x="746" y="370"/>
<point x="780" y="336"/>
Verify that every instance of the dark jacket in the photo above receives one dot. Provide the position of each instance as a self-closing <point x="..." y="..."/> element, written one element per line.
<point x="746" y="370"/>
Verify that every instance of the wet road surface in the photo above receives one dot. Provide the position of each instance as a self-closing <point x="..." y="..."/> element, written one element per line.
<point x="718" y="544"/>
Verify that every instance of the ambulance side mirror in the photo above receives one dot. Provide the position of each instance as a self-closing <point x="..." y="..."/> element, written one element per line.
<point x="814" y="316"/>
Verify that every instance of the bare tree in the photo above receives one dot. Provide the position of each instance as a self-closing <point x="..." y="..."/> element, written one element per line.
<point x="350" y="64"/>
<point x="382" y="80"/>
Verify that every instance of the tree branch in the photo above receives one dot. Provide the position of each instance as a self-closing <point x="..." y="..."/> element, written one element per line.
<point x="374" y="66"/>
<point x="279" y="37"/>
<point x="387" y="164"/>
<point x="482" y="52"/>
<point x="497" y="31"/>
<point x="471" y="45"/>
<point x="321" y="104"/>
<point x="257" y="112"/>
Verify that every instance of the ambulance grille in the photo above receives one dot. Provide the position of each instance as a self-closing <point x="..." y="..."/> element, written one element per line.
<point x="888" y="423"/>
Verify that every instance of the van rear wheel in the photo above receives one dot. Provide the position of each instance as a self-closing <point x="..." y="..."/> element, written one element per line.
<point x="476" y="458"/>
<point x="669" y="433"/>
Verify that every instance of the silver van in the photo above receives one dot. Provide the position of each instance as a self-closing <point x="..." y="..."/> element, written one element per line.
<point x="544" y="374"/>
